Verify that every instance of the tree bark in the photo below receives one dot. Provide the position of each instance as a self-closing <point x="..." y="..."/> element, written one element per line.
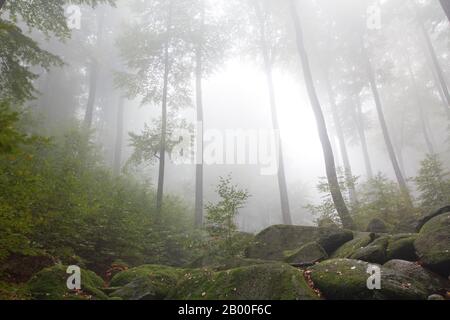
<point x="437" y="66"/>
<point x="199" y="101"/>
<point x="387" y="139"/>
<point x="281" y="175"/>
<point x="421" y="113"/>
<point x="359" y="122"/>
<point x="446" y="6"/>
<point x="341" y="138"/>
<point x="93" y="78"/>
<point x="162" y="150"/>
<point x="333" y="183"/>
<point x="119" y="137"/>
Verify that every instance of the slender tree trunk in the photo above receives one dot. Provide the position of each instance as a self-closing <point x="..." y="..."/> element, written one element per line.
<point x="199" y="100"/>
<point x="119" y="137"/>
<point x="341" y="138"/>
<point x="93" y="79"/>
<point x="333" y="182"/>
<point x="436" y="64"/>
<point x="162" y="150"/>
<point x="446" y="6"/>
<point x="420" y="110"/>
<point x="359" y="122"/>
<point x="387" y="139"/>
<point x="282" y="185"/>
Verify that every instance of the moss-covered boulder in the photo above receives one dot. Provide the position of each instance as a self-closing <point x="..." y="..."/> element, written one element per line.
<point x="274" y="241"/>
<point x="360" y="241"/>
<point x="219" y="262"/>
<point x="347" y="279"/>
<point x="147" y="282"/>
<point x="51" y="284"/>
<point x="374" y="252"/>
<point x="271" y="281"/>
<point x="308" y="254"/>
<point x="431" y="281"/>
<point x="401" y="246"/>
<point x="433" y="244"/>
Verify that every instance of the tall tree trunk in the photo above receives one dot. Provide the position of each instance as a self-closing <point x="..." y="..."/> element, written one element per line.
<point x="119" y="137"/>
<point x="387" y="139"/>
<point x="446" y="6"/>
<point x="93" y="78"/>
<point x="162" y="150"/>
<point x="341" y="138"/>
<point x="420" y="110"/>
<point x="333" y="182"/>
<point x="436" y="64"/>
<point x="359" y="122"/>
<point x="281" y="175"/>
<point x="199" y="100"/>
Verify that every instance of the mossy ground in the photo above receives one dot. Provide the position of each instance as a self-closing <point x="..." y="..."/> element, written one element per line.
<point x="275" y="281"/>
<point x="50" y="284"/>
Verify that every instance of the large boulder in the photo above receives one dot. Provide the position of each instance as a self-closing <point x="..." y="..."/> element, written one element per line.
<point x="371" y="247"/>
<point x="433" y="244"/>
<point x="273" y="242"/>
<point x="218" y="262"/>
<point x="347" y="279"/>
<point x="431" y="281"/>
<point x="401" y="246"/>
<point x="147" y="282"/>
<point x="361" y="240"/>
<point x="271" y="281"/>
<point x="307" y="255"/>
<point x="51" y="284"/>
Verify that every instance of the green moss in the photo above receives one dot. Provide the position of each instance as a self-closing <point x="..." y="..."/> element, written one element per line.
<point x="348" y="249"/>
<point x="160" y="274"/>
<point x="341" y="279"/>
<point x="433" y="244"/>
<point x="401" y="246"/>
<point x="13" y="291"/>
<point x="274" y="281"/>
<point x="308" y="254"/>
<point x="50" y="284"/>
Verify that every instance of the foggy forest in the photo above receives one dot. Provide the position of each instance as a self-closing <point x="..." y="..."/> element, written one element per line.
<point x="224" y="149"/>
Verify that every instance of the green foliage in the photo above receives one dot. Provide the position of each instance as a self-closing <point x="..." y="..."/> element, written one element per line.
<point x="59" y="197"/>
<point x="433" y="183"/>
<point x="377" y="198"/>
<point x="221" y="216"/>
<point x="10" y="136"/>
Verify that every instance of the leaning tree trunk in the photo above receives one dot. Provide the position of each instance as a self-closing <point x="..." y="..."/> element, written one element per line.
<point x="341" y="139"/>
<point x="359" y="123"/>
<point x="436" y="64"/>
<point x="446" y="6"/>
<point x="333" y="182"/>
<point x="119" y="137"/>
<point x="162" y="149"/>
<point x="281" y="175"/>
<point x="199" y="101"/>
<point x="421" y="113"/>
<point x="387" y="139"/>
